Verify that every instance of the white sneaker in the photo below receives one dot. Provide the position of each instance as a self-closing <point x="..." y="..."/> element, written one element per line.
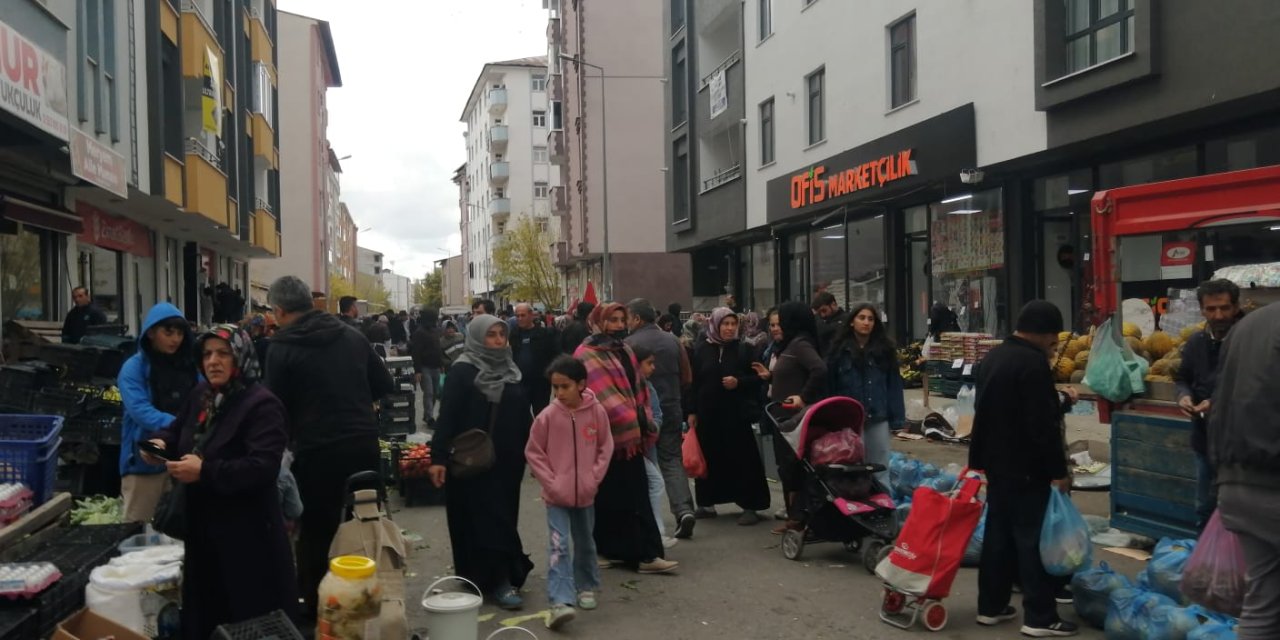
<point x="658" y="565"/>
<point x="561" y="615"/>
<point x="669" y="542"/>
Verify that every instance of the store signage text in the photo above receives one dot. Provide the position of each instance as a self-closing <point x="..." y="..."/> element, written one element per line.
<point x="118" y="234"/>
<point x="817" y="184"/>
<point x="98" y="164"/>
<point x="33" y="84"/>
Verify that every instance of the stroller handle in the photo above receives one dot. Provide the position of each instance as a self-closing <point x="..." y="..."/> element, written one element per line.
<point x="363" y="477"/>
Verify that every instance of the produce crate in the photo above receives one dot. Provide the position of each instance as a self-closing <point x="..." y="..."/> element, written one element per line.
<point x="29" y="452"/>
<point x="420" y="492"/>
<point x="78" y="363"/>
<point x="275" y="625"/>
<point x="397" y="422"/>
<point x="397" y="400"/>
<point x="55" y="401"/>
<point x="18" y="624"/>
<point x="81" y="430"/>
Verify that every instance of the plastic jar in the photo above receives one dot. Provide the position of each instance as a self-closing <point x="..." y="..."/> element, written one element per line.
<point x="350" y="600"/>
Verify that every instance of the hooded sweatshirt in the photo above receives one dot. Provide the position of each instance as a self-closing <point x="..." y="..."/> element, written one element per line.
<point x="569" y="451"/>
<point x="153" y="387"/>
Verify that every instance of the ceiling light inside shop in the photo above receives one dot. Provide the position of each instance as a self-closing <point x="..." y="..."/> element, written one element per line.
<point x="834" y="226"/>
<point x="1072" y="192"/>
<point x="963" y="212"/>
<point x="1275" y="228"/>
<point x="957" y="198"/>
<point x="833" y="237"/>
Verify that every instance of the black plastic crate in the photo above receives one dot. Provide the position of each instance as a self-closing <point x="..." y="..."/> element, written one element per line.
<point x="18" y="624"/>
<point x="78" y="363"/>
<point x="81" y="430"/>
<point x="273" y="626"/>
<point x="420" y="491"/>
<point x="398" y="400"/>
<point x="55" y="401"/>
<point x="109" y="431"/>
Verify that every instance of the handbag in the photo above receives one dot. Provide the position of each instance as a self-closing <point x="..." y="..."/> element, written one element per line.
<point x="171" y="512"/>
<point x="472" y="452"/>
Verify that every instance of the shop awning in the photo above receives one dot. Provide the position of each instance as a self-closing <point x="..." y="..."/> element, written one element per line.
<point x="32" y="214"/>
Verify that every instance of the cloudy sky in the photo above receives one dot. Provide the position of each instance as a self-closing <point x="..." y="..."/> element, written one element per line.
<point x="407" y="69"/>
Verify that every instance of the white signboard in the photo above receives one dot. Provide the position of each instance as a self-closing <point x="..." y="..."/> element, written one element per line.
<point x="719" y="96"/>
<point x="33" y="84"/>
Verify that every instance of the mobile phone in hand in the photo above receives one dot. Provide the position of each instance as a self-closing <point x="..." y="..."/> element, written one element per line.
<point x="154" y="450"/>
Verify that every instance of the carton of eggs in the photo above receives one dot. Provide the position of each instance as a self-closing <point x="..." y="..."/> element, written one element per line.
<point x="26" y="579"/>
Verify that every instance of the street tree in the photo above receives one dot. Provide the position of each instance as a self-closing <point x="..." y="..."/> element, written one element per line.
<point x="522" y="262"/>
<point x="428" y="291"/>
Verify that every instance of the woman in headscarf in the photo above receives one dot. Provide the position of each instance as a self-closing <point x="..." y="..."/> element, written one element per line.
<point x="626" y="531"/>
<point x="722" y="405"/>
<point x="753" y="335"/>
<point x="482" y="391"/>
<point x="228" y="441"/>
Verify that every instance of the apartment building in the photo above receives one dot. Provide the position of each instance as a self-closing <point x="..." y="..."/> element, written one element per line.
<point x="342" y="256"/>
<point x="508" y="167"/>
<point x="606" y="78"/>
<point x="309" y="177"/>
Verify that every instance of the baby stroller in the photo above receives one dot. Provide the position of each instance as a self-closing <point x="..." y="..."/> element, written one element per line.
<point x="840" y="500"/>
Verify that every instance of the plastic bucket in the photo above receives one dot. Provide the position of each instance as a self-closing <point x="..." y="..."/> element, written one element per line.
<point x="451" y="615"/>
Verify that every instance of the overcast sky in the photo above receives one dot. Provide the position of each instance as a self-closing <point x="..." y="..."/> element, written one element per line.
<point x="407" y="69"/>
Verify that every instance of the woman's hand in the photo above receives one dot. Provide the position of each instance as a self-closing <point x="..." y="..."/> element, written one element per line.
<point x="761" y="370"/>
<point x="437" y="473"/>
<point x="186" y="470"/>
<point x="729" y="382"/>
<point x="150" y="459"/>
<point x="793" y="402"/>
<point x="692" y="421"/>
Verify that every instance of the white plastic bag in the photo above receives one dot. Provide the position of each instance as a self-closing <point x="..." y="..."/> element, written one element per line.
<point x="134" y="594"/>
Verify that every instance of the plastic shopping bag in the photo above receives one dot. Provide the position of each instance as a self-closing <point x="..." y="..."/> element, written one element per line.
<point x="1214" y="574"/>
<point x="1214" y="631"/>
<point x="1164" y="571"/>
<point x="695" y="465"/>
<point x="928" y="551"/>
<point x="1064" y="537"/>
<point x="1091" y="590"/>
<point x="1129" y="613"/>
<point x="1174" y="622"/>
<point x="838" y="447"/>
<point x="1114" y="372"/>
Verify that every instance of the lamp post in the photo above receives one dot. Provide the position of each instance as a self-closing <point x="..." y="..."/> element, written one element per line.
<point x="606" y="267"/>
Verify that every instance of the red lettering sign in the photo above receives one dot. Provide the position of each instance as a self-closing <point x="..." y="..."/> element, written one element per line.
<point x="104" y="230"/>
<point x="810" y="188"/>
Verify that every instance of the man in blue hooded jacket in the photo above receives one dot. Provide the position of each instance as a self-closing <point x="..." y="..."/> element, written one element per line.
<point x="153" y="383"/>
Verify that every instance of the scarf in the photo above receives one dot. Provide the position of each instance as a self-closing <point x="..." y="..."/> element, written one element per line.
<point x="692" y="327"/>
<point x="713" y="327"/>
<point x="611" y="367"/>
<point x="243" y="374"/>
<point x="497" y="368"/>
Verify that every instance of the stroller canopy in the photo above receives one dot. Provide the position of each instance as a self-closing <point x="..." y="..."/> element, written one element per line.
<point x="837" y="413"/>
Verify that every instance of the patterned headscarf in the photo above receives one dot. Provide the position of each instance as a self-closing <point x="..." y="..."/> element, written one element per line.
<point x="497" y="369"/>
<point x="244" y="373"/>
<point x="713" y="327"/>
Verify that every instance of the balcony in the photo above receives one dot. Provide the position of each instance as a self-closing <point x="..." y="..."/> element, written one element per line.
<point x="197" y="40"/>
<point x="498" y="135"/>
<point x="264" y="139"/>
<point x="559" y="201"/>
<point x="555" y="86"/>
<point x="555" y="32"/>
<point x="721" y="176"/>
<point x="206" y="185"/>
<point x="557" y="148"/>
<point x="260" y="46"/>
<point x="500" y="209"/>
<point x="500" y="172"/>
<point x="497" y="101"/>
<point x="264" y="233"/>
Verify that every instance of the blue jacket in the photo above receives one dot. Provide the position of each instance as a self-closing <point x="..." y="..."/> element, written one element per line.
<point x="141" y="417"/>
<point x="879" y="390"/>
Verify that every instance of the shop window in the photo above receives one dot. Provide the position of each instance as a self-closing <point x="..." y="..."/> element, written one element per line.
<point x="101" y="270"/>
<point x="966" y="248"/>
<point x="798" y="269"/>
<point x="22" y="293"/>
<point x="865" y="240"/>
<point x="827" y="260"/>
<point x="902" y="61"/>
<point x="763" y="259"/>
<point x="1248" y="151"/>
<point x="1063" y="190"/>
<point x="1170" y="165"/>
<point x="916" y="226"/>
<point x="1097" y="31"/>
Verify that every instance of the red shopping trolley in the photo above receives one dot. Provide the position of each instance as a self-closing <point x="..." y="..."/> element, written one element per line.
<point x="926" y="556"/>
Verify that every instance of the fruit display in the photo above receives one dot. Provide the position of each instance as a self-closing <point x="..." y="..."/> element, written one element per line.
<point x="1162" y="350"/>
<point x="415" y="461"/>
<point x="911" y="364"/>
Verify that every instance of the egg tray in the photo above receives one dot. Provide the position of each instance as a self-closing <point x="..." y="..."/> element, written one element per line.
<point x="21" y="589"/>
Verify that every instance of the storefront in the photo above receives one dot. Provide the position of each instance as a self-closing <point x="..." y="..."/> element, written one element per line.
<point x="116" y="261"/>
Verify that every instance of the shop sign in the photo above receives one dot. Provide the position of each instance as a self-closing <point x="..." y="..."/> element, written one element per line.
<point x="1177" y="260"/>
<point x="97" y="163"/>
<point x="33" y="84"/>
<point x="719" y="95"/>
<point x="818" y="184"/>
<point x="104" y="230"/>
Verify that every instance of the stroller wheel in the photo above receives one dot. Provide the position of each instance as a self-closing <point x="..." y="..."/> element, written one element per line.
<point x="935" y="616"/>
<point x="873" y="551"/>
<point x="893" y="602"/>
<point x="792" y="544"/>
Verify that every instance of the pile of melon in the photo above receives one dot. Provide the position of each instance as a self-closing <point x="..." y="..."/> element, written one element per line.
<point x="1162" y="350"/>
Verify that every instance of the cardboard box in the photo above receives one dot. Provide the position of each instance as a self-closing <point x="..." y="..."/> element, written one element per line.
<point x="87" y="625"/>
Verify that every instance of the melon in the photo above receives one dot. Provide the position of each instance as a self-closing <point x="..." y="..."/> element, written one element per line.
<point x="1082" y="359"/>
<point x="1063" y="369"/>
<point x="1131" y="330"/>
<point x="1135" y="344"/>
<point x="1077" y="376"/>
<point x="1158" y="344"/>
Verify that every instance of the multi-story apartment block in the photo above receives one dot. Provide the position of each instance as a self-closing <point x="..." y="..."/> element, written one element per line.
<point x="461" y="177"/>
<point x="508" y="166"/>
<point x="342" y="257"/>
<point x="368" y="261"/>
<point x="310" y="168"/>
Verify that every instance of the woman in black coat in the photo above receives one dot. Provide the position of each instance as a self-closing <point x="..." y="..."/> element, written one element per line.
<point x="484" y="509"/>
<point x="231" y="436"/>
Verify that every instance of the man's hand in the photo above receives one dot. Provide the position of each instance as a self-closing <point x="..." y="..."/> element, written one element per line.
<point x="1202" y="409"/>
<point x="692" y="421"/>
<point x="150" y="459"/>
<point x="729" y="382"/>
<point x="1188" y="407"/>
<point x="418" y="377"/>
<point x="437" y="474"/>
<point x="1063" y="484"/>
<point x="186" y="470"/>
<point x="1072" y="394"/>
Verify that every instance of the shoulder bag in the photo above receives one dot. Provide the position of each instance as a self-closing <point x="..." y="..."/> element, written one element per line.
<point x="472" y="450"/>
<point x="171" y="512"/>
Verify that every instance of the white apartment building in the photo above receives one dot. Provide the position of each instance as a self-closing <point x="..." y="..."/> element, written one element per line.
<point x="399" y="288"/>
<point x="508" y="168"/>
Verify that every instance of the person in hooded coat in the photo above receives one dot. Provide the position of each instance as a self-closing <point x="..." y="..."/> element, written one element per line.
<point x="577" y="331"/>
<point x="230" y="435"/>
<point x="722" y="405"/>
<point x="483" y="391"/>
<point x="154" y="382"/>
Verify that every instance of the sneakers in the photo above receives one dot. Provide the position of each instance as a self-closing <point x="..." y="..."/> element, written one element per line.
<point x="684" y="525"/>
<point x="587" y="600"/>
<point x="748" y="518"/>
<point x="669" y="542"/>
<point x="658" y="565"/>
<point x="780" y="514"/>
<point x="1064" y="596"/>
<point x="561" y="615"/>
<point x="508" y="598"/>
<point x="605" y="563"/>
<point x="703" y="513"/>
<point x="1059" y="629"/>
<point x="1009" y="613"/>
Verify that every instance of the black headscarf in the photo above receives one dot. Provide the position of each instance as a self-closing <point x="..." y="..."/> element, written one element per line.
<point x="796" y="319"/>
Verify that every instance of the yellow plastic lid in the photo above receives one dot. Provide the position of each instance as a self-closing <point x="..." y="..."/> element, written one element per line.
<point x="353" y="567"/>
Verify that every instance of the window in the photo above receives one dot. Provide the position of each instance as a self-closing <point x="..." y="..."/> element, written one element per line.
<point x="766" y="132"/>
<point x="815" y="83"/>
<point x="540" y="154"/>
<point x="680" y="181"/>
<point x="679" y="85"/>
<point x="538" y="83"/>
<point x="171" y="97"/>
<point x="540" y="119"/>
<point x="677" y="15"/>
<point x="766" y="19"/>
<point x="540" y="190"/>
<point x="22" y="285"/>
<point x="263" y="97"/>
<point x="557" y="116"/>
<point x="902" y="61"/>
<point x="1097" y="31"/>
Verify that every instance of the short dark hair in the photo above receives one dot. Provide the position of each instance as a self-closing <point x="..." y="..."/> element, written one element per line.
<point x="291" y="294"/>
<point x="823" y="299"/>
<point x="314" y="294"/>
<point x="81" y="288"/>
<point x="642" y="352"/>
<point x="487" y="304"/>
<point x="345" y="303"/>
<point x="569" y="367"/>
<point x="643" y="309"/>
<point x="1217" y="288"/>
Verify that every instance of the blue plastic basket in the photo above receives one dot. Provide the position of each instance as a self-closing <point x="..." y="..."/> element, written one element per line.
<point x="29" y="452"/>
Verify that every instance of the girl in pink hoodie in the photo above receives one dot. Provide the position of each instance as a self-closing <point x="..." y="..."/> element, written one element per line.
<point x="568" y="451"/>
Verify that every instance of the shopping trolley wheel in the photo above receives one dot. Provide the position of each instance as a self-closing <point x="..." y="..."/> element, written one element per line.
<point x="893" y="601"/>
<point x="935" y="616"/>
<point x="792" y="544"/>
<point x="873" y="551"/>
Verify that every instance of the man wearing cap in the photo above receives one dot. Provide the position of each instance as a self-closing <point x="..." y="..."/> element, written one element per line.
<point x="1018" y="442"/>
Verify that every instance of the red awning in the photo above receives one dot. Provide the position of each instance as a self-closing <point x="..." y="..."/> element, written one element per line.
<point x="35" y="215"/>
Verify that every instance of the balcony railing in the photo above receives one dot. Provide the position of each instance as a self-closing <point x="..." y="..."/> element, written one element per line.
<point x="261" y="204"/>
<point x="500" y="207"/>
<point x="497" y="100"/>
<point x="197" y="147"/>
<point x="193" y="6"/>
<point x="722" y="176"/>
<point x="733" y="59"/>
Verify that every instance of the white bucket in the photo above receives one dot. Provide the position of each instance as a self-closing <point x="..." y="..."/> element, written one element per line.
<point x="495" y="633"/>
<point x="452" y="614"/>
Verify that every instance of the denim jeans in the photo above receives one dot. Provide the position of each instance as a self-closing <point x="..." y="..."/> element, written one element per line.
<point x="1206" y="492"/>
<point x="430" y="389"/>
<point x="875" y="442"/>
<point x="656" y="487"/>
<point x="671" y="462"/>
<point x="569" y="574"/>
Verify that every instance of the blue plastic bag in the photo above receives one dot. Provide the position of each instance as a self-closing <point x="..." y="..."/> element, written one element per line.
<point x="1214" y="631"/>
<point x="908" y="479"/>
<point x="1129" y="613"/>
<point x="1091" y="591"/>
<point x="973" y="551"/>
<point x="1164" y="572"/>
<point x="1175" y="623"/>
<point x="1065" y="547"/>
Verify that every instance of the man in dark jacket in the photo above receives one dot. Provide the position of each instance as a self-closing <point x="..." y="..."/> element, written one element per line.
<point x="1244" y="444"/>
<point x="830" y="320"/>
<point x="82" y="316"/>
<point x="328" y="378"/>
<point x="577" y="331"/>
<point x="348" y="311"/>
<point x="428" y="358"/>
<point x="1220" y="305"/>
<point x="1018" y="441"/>
<point x="533" y="348"/>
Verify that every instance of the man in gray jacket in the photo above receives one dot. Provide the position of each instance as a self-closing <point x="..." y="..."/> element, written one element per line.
<point x="1244" y="446"/>
<point x="671" y="372"/>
